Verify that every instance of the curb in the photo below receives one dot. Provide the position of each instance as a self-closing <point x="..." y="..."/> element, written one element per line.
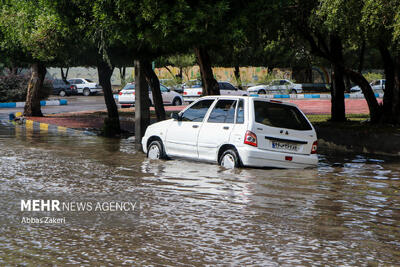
<point x="313" y="96"/>
<point x="44" y="127"/>
<point x="42" y="103"/>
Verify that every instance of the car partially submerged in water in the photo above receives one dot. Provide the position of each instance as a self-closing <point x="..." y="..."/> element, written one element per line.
<point x="236" y="131"/>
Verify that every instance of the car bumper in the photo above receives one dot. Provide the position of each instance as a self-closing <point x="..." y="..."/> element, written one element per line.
<point x="190" y="98"/>
<point x="255" y="157"/>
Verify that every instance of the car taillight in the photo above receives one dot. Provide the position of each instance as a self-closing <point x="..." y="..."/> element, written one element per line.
<point x="199" y="93"/>
<point x="185" y="93"/>
<point x="314" y="147"/>
<point x="250" y="139"/>
<point x="120" y="93"/>
<point x="133" y="93"/>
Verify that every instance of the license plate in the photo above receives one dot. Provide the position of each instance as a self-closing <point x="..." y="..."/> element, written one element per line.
<point x="284" y="146"/>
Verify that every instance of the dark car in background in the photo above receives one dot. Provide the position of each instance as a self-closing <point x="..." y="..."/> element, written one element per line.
<point x="63" y="88"/>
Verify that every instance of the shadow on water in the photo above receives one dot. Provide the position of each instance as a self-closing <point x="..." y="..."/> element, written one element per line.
<point x="345" y="212"/>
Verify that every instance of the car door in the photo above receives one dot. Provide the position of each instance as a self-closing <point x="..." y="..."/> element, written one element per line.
<point x="274" y="87"/>
<point x="217" y="128"/>
<point x="165" y="93"/>
<point x="181" y="136"/>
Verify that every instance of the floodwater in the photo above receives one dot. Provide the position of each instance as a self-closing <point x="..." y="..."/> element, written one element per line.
<point x="345" y="212"/>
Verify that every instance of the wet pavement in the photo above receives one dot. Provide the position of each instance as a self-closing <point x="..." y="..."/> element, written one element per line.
<point x="345" y="212"/>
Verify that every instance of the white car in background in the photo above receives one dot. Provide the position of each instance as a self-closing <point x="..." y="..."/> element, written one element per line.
<point x="85" y="86"/>
<point x="126" y="96"/>
<point x="236" y="131"/>
<point x="277" y="86"/>
<point x="377" y="86"/>
<point x="225" y="88"/>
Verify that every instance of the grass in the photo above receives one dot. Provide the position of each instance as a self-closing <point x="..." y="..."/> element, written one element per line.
<point x="318" y="118"/>
<point x="356" y="122"/>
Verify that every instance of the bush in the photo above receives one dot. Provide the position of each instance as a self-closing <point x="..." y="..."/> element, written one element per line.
<point x="13" y="88"/>
<point x="373" y="76"/>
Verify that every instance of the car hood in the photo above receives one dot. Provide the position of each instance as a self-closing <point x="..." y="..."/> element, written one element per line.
<point x="257" y="87"/>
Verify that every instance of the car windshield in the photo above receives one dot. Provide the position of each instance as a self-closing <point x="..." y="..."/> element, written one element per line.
<point x="129" y="87"/>
<point x="90" y="81"/>
<point x="278" y="115"/>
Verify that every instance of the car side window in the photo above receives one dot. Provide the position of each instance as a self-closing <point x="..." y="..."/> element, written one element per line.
<point x="229" y="86"/>
<point x="163" y="89"/>
<point x="221" y="86"/>
<point x="223" y="112"/>
<point x="197" y="112"/>
<point x="275" y="83"/>
<point x="240" y="112"/>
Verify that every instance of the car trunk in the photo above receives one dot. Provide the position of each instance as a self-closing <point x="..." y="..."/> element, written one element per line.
<point x="193" y="92"/>
<point x="282" y="128"/>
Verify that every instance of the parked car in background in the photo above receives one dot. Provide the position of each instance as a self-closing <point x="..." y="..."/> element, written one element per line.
<point x="285" y="86"/>
<point x="63" y="88"/>
<point x="126" y="96"/>
<point x="86" y="86"/>
<point x="377" y="86"/>
<point x="192" y="94"/>
<point x="236" y="131"/>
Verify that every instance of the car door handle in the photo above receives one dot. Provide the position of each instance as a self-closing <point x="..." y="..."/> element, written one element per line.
<point x="195" y="126"/>
<point x="225" y="127"/>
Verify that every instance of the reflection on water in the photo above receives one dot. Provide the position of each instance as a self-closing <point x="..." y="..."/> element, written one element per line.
<point x="345" y="212"/>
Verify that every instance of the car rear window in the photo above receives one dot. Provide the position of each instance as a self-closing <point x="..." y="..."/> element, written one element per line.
<point x="278" y="115"/>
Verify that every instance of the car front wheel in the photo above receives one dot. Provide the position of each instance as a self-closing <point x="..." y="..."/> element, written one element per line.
<point x="229" y="159"/>
<point x="177" y="102"/>
<point x="293" y="92"/>
<point x="61" y="93"/>
<point x="261" y="92"/>
<point x="155" y="150"/>
<point x="86" y="92"/>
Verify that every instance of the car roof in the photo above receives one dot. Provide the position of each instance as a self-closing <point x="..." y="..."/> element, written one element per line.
<point x="249" y="98"/>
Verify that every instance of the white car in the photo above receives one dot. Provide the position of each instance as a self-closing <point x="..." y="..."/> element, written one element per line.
<point x="225" y="88"/>
<point x="85" y="86"/>
<point x="236" y="131"/>
<point x="277" y="86"/>
<point x="377" y="86"/>
<point x="126" y="96"/>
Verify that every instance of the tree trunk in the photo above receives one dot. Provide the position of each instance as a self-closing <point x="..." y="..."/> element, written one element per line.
<point x="338" y="112"/>
<point x="396" y="93"/>
<point x="32" y="104"/>
<point x="64" y="76"/>
<point x="237" y="77"/>
<point x="111" y="124"/>
<point x="154" y="83"/>
<point x="142" y="112"/>
<point x="391" y="105"/>
<point x="122" y="73"/>
<point x="374" y="108"/>
<point x="210" y="85"/>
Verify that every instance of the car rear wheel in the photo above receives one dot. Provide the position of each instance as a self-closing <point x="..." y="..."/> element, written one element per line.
<point x="262" y="92"/>
<point x="155" y="150"/>
<point x="62" y="93"/>
<point x="229" y="159"/>
<point x="177" y="102"/>
<point x="86" y="92"/>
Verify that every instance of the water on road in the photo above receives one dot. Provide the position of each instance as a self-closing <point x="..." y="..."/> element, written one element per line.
<point x="345" y="212"/>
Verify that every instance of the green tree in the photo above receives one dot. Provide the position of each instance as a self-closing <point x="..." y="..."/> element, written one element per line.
<point x="32" y="31"/>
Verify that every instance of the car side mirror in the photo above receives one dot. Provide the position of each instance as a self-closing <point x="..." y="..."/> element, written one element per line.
<point x="176" y="116"/>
